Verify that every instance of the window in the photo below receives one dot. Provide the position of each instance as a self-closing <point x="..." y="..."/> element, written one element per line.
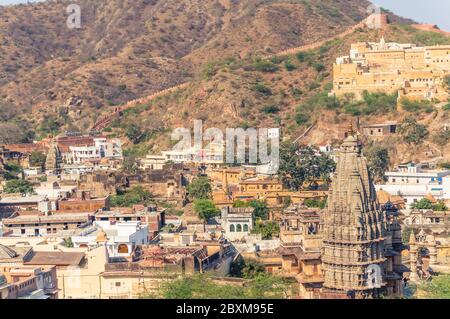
<point x="232" y="229"/>
<point x="118" y="283"/>
<point x="239" y="228"/>
<point x="245" y="228"/>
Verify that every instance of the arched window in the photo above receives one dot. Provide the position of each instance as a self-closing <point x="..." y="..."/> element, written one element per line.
<point x="123" y="249"/>
<point x="239" y="228"/>
<point x="246" y="228"/>
<point x="232" y="229"/>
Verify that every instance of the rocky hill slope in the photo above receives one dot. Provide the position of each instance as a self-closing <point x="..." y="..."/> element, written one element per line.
<point x="127" y="49"/>
<point x="54" y="79"/>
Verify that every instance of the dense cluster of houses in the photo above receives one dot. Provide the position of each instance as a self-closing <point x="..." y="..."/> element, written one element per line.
<point x="66" y="239"/>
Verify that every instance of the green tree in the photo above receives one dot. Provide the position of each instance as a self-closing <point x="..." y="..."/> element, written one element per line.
<point x="205" y="210"/>
<point x="37" y="159"/>
<point x="412" y="132"/>
<point x="422" y="204"/>
<point x="261" y="209"/>
<point x="203" y="286"/>
<point x="12" y="171"/>
<point x="267" y="229"/>
<point x="18" y="186"/>
<point x="427" y="204"/>
<point x="315" y="203"/>
<point x="303" y="164"/>
<point x="199" y="188"/>
<point x="378" y="161"/>
<point x="246" y="268"/>
<point x="134" y="196"/>
<point x="135" y="133"/>
<point x="440" y="206"/>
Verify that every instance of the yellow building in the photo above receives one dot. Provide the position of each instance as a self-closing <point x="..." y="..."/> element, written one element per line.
<point x="417" y="73"/>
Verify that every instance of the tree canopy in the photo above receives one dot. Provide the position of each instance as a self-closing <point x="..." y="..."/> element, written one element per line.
<point x="18" y="186"/>
<point x="199" y="188"/>
<point x="413" y="132"/>
<point x="37" y="159"/>
<point x="261" y="208"/>
<point x="303" y="164"/>
<point x="378" y="161"/>
<point x="425" y="203"/>
<point x="133" y="196"/>
<point x="267" y="229"/>
<point x="205" y="209"/>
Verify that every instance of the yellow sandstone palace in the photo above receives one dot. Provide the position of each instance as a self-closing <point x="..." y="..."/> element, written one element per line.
<point x="417" y="73"/>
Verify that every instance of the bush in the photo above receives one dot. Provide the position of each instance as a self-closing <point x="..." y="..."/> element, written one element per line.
<point x="412" y="132"/>
<point x="315" y="203"/>
<point x="289" y="66"/>
<point x="304" y="56"/>
<point x="134" y="196"/>
<point x="264" y="66"/>
<point x="271" y="109"/>
<point x="416" y="106"/>
<point x="372" y="103"/>
<point x="296" y="92"/>
<point x="301" y="117"/>
<point x="18" y="186"/>
<point x="261" y="88"/>
<point x="319" y="67"/>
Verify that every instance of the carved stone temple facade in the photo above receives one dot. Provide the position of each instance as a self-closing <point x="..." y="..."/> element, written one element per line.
<point x="361" y="250"/>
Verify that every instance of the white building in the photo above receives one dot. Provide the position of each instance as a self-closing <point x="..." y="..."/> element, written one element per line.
<point x="121" y="238"/>
<point x="413" y="182"/>
<point x="237" y="223"/>
<point x="212" y="154"/>
<point x="52" y="190"/>
<point x="81" y="154"/>
<point x="153" y="162"/>
<point x="109" y="148"/>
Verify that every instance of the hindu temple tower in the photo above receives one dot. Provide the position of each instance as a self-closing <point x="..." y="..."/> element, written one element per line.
<point x="357" y="253"/>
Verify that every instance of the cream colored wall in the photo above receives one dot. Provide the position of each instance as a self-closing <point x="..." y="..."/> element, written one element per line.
<point x="84" y="283"/>
<point x="423" y="63"/>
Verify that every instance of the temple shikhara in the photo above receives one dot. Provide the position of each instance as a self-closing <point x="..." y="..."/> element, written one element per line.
<point x="417" y="73"/>
<point x="361" y="250"/>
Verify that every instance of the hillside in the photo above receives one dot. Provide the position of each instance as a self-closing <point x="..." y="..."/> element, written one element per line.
<point x="290" y="92"/>
<point x="54" y="79"/>
<point x="127" y="49"/>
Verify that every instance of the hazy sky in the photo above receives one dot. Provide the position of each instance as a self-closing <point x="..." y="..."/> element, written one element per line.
<point x="425" y="11"/>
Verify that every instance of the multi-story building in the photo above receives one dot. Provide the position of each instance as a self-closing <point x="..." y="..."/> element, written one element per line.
<point x="39" y="224"/>
<point x="28" y="282"/>
<point x="414" y="182"/>
<point x="417" y="73"/>
<point x="120" y="238"/>
<point x="237" y="223"/>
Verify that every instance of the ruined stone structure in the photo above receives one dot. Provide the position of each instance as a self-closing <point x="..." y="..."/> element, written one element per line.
<point x="358" y="255"/>
<point x="417" y="73"/>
